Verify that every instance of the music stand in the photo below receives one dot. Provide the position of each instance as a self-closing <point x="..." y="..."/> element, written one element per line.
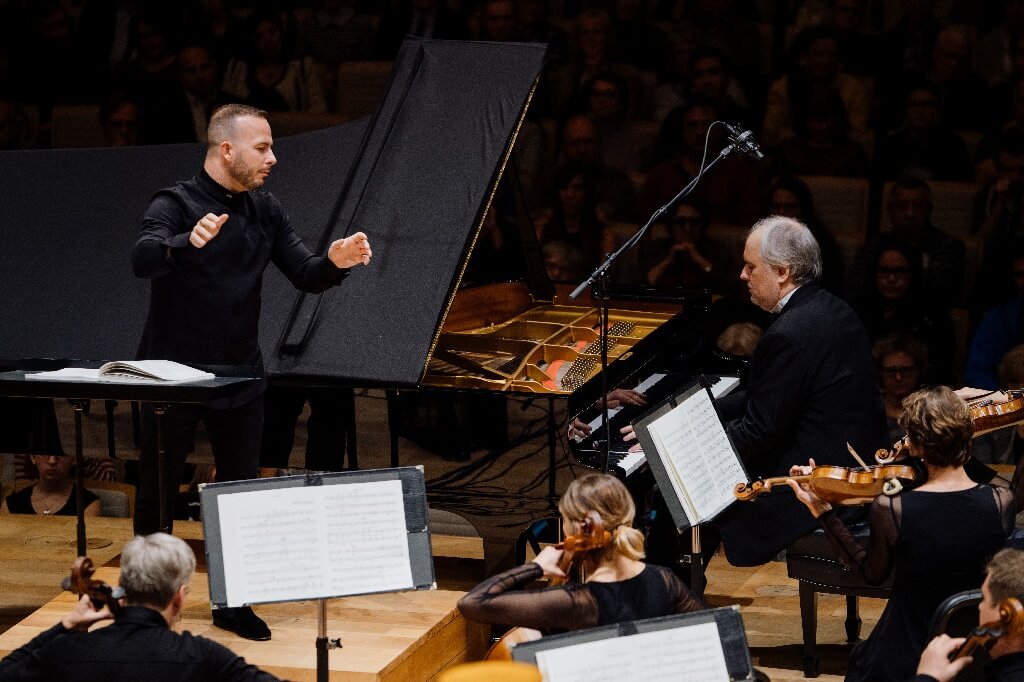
<point x="159" y="394"/>
<point x="316" y="537"/>
<point x="660" y="634"/>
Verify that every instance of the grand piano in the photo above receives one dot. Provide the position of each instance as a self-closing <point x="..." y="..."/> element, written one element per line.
<point x="419" y="177"/>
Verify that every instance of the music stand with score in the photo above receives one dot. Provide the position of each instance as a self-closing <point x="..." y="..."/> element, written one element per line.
<point x="158" y="393"/>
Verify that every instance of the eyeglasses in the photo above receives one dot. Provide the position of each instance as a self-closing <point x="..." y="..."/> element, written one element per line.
<point x="897" y="371"/>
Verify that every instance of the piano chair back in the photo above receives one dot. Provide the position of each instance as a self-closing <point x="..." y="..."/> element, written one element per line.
<point x="813" y="561"/>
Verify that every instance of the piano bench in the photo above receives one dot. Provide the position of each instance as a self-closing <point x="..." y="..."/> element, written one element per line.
<point x="813" y="561"/>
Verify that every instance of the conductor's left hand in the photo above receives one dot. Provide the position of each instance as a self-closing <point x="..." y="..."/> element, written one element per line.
<point x="350" y="251"/>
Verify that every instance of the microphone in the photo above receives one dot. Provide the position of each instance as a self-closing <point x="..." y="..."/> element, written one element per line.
<point x="743" y="141"/>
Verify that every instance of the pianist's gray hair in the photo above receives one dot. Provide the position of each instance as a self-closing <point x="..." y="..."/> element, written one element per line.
<point x="154" y="567"/>
<point x="788" y="242"/>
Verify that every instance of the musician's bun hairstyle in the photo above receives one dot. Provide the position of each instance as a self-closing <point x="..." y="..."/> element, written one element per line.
<point x="607" y="496"/>
<point x="938" y="422"/>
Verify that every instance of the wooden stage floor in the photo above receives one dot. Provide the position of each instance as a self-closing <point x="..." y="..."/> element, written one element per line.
<point x="406" y="636"/>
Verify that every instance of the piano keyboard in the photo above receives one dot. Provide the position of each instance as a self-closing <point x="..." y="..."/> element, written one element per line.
<point x="625" y="463"/>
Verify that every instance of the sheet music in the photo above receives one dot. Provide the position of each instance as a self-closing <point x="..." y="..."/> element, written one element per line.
<point x="692" y="653"/>
<point x="309" y="542"/>
<point x="698" y="456"/>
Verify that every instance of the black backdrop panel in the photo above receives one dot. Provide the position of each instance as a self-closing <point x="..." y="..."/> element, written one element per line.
<point x="418" y="190"/>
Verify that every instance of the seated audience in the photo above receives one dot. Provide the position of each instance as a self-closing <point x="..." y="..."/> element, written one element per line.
<point x="902" y="361"/>
<point x="790" y="197"/>
<point x="53" y="494"/>
<point x="1004" y="446"/>
<point x="941" y="256"/>
<point x="821" y="144"/>
<point x="688" y="258"/>
<point x="619" y="586"/>
<point x="948" y="521"/>
<point x="1000" y="327"/>
<point x="894" y="302"/>
<point x="572" y="215"/>
<point x="140" y="644"/>
<point x="119" y="119"/>
<point x="267" y="77"/>
<point x="579" y="143"/>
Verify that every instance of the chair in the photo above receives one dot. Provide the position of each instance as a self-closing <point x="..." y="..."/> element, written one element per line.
<point x="813" y="562"/>
<point x="956" y="616"/>
<point x="842" y="203"/>
<point x="116" y="499"/>
<point x="361" y="86"/>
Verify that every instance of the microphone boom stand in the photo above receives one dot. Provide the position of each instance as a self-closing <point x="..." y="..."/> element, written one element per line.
<point x="599" y="280"/>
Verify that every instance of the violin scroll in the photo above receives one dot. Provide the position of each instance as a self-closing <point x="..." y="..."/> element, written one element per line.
<point x="100" y="593"/>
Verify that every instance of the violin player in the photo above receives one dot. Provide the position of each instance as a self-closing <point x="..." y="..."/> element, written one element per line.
<point x="618" y="587"/>
<point x="140" y="644"/>
<point x="935" y="537"/>
<point x="1004" y="579"/>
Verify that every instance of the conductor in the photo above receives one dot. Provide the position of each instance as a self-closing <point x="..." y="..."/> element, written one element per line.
<point x="204" y="246"/>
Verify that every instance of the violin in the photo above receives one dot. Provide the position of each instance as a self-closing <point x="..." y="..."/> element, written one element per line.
<point x="989" y="416"/>
<point x="838" y="485"/>
<point x="592" y="536"/>
<point x="100" y="593"/>
<point x="1010" y="623"/>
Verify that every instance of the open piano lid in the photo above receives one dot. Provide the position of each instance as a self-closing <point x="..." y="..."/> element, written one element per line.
<point x="421" y="185"/>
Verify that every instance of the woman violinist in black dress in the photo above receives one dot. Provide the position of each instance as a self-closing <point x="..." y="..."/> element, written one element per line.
<point x="936" y="537"/>
<point x="619" y="586"/>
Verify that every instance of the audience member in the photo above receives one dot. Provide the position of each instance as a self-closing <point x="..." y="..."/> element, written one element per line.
<point x="140" y="644"/>
<point x="268" y="78"/>
<point x="902" y="361"/>
<point x="687" y="257"/>
<point x="963" y="94"/>
<point x="731" y="191"/>
<point x="580" y="144"/>
<point x="54" y="493"/>
<point x="923" y="146"/>
<point x="674" y="78"/>
<point x="534" y="25"/>
<point x="942" y="256"/>
<point x="563" y="262"/>
<point x="711" y="79"/>
<point x="994" y="57"/>
<point x="497" y="21"/>
<point x="739" y="339"/>
<point x="858" y="49"/>
<point x="604" y="102"/>
<point x="733" y="26"/>
<point x="894" y="302"/>
<point x="999" y="223"/>
<point x="638" y="42"/>
<point x="119" y="119"/>
<point x="790" y="197"/>
<point x="906" y="48"/>
<point x="815" y="67"/>
<point x="572" y="215"/>
<point x="821" y="144"/>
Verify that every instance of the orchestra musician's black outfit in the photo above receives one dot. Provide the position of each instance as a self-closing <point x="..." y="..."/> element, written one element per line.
<point x="938" y="544"/>
<point x="138" y="645"/>
<point x="500" y="600"/>
<point x="810" y="390"/>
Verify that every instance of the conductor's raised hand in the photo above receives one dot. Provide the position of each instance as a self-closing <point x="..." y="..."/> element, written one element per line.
<point x="206" y="229"/>
<point x="350" y="251"/>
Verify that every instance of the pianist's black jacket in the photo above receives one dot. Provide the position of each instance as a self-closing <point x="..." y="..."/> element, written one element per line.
<point x="811" y="389"/>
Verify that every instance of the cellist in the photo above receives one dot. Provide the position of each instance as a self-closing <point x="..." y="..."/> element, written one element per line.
<point x="618" y="586"/>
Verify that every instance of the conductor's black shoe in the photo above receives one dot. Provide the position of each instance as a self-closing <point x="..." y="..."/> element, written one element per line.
<point x="243" y="622"/>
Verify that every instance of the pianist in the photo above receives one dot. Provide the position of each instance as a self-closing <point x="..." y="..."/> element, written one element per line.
<point x="204" y="246"/>
<point x="810" y="388"/>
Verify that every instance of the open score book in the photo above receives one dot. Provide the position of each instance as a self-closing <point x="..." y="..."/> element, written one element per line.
<point x="689" y="451"/>
<point x="125" y="371"/>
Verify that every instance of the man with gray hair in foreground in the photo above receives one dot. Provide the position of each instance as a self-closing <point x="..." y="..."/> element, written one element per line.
<point x="809" y="391"/>
<point x="139" y="644"/>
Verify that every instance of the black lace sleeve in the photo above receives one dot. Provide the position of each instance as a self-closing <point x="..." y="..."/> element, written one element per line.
<point x="682" y="597"/>
<point x="500" y="600"/>
<point x="875" y="561"/>
<point x="1007" y="501"/>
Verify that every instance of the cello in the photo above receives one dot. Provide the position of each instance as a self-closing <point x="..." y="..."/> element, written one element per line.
<point x="592" y="536"/>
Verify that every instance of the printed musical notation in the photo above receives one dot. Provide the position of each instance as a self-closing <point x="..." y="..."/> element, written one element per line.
<point x="693" y="653"/>
<point x="287" y="544"/>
